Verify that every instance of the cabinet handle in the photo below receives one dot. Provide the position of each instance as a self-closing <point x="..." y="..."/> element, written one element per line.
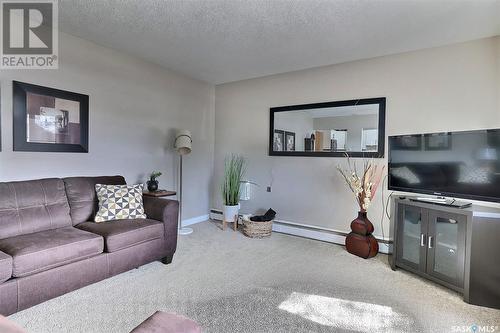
<point x="422" y="240"/>
<point x="430" y="242"/>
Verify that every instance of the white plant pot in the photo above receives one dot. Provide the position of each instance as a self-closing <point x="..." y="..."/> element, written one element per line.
<point x="230" y="212"/>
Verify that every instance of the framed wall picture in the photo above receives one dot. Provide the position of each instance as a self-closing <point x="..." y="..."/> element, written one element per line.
<point x="279" y="140"/>
<point x="49" y="120"/>
<point x="438" y="141"/>
<point x="408" y="142"/>
<point x="289" y="141"/>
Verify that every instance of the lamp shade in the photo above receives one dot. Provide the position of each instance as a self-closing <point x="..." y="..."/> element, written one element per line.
<point x="183" y="142"/>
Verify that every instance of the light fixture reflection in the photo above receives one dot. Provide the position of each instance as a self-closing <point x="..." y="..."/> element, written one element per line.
<point x="350" y="315"/>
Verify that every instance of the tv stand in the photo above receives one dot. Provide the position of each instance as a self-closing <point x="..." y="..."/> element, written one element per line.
<point x="455" y="247"/>
<point x="442" y="201"/>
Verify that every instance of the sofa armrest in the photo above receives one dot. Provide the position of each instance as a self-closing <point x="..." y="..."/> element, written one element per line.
<point x="166" y="211"/>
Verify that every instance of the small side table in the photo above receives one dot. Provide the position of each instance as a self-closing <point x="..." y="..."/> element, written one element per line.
<point x="159" y="193"/>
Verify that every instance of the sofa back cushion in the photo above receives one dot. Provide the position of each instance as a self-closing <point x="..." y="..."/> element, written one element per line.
<point x="82" y="195"/>
<point x="32" y="206"/>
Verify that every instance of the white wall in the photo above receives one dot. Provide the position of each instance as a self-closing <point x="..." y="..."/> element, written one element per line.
<point x="300" y="123"/>
<point x="449" y="88"/>
<point x="135" y="108"/>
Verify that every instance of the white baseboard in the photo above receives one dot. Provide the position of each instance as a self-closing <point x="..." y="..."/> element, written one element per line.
<point x="312" y="232"/>
<point x="322" y="235"/>
<point x="196" y="219"/>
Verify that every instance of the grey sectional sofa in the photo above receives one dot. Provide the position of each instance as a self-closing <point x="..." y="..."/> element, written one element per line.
<point x="49" y="246"/>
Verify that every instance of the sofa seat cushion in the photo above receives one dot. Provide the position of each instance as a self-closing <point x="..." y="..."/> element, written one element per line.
<point x="40" y="251"/>
<point x="5" y="267"/>
<point x="120" y="234"/>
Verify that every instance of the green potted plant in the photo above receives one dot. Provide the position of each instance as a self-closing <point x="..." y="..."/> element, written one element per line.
<point x="153" y="182"/>
<point x="234" y="169"/>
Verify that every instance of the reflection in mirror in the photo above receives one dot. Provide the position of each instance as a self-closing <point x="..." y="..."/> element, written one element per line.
<point x="328" y="128"/>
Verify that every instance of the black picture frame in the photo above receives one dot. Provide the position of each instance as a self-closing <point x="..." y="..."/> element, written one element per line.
<point x="278" y="140"/>
<point x="407" y="142"/>
<point x="381" y="101"/>
<point x="287" y="143"/>
<point x="438" y="141"/>
<point x="21" y="143"/>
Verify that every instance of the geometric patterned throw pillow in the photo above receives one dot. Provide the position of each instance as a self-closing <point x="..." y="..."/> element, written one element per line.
<point x="117" y="202"/>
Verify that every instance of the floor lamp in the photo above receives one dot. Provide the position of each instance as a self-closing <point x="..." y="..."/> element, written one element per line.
<point x="183" y="142"/>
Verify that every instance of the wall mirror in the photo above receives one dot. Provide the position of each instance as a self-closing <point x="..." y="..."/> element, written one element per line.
<point x="355" y="127"/>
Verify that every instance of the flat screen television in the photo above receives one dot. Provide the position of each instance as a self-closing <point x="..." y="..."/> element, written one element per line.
<point x="454" y="164"/>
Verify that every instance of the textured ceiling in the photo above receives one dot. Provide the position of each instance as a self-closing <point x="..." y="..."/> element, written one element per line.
<point x="228" y="40"/>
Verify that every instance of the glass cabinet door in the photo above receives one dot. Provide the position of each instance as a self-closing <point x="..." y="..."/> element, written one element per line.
<point x="446" y="247"/>
<point x="411" y="246"/>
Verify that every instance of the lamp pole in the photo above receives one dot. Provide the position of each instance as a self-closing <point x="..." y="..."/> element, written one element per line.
<point x="182" y="230"/>
<point x="180" y="193"/>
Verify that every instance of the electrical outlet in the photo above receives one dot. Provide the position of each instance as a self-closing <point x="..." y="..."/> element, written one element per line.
<point x="269" y="189"/>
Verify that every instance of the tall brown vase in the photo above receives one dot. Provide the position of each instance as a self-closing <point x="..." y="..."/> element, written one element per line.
<point x="360" y="241"/>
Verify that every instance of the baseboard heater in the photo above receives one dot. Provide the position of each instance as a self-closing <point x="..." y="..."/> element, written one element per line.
<point x="311" y="232"/>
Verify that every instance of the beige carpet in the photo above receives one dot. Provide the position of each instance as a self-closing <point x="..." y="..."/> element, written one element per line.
<point x="230" y="283"/>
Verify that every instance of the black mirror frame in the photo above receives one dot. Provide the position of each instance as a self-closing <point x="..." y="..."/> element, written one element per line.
<point x="381" y="101"/>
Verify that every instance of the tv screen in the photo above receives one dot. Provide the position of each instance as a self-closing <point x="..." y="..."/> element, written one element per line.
<point x="454" y="164"/>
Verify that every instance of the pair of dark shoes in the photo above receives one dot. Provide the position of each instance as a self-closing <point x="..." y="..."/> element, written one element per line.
<point x="268" y="216"/>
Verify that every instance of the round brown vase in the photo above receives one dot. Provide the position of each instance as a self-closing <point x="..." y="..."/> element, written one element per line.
<point x="362" y="225"/>
<point x="360" y="241"/>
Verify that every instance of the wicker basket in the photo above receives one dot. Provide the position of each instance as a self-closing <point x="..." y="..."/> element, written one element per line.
<point x="257" y="229"/>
